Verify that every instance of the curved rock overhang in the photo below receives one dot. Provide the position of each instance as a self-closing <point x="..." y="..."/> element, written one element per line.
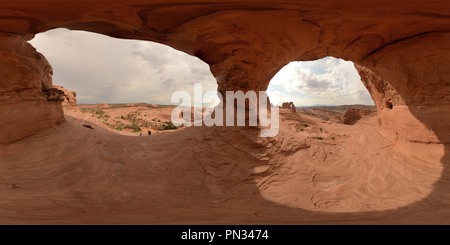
<point x="401" y="50"/>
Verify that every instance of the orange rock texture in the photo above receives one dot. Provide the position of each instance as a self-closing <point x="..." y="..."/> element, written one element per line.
<point x="401" y="49"/>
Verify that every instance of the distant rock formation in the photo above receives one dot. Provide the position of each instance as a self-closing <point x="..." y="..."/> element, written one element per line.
<point x="288" y="105"/>
<point x="245" y="44"/>
<point x="69" y="96"/>
<point x="352" y="115"/>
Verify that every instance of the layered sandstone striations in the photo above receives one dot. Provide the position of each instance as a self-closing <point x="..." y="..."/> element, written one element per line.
<point x="314" y="171"/>
<point x="401" y="48"/>
<point x="69" y="96"/>
<point x="28" y="101"/>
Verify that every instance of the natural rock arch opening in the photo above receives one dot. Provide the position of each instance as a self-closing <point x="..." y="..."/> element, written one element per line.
<point x="378" y="52"/>
<point x="401" y="54"/>
<point x="103" y="69"/>
<point x="327" y="81"/>
<point x="329" y="88"/>
<point x="125" y="85"/>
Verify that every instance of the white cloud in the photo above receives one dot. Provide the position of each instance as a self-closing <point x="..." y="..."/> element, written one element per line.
<point x="326" y="81"/>
<point x="107" y="70"/>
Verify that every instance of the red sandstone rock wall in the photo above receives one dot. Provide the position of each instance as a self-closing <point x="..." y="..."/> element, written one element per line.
<point x="402" y="48"/>
<point x="28" y="102"/>
<point x="69" y="96"/>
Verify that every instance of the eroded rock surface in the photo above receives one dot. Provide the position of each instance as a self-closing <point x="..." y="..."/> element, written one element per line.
<point x="352" y="115"/>
<point x="28" y="102"/>
<point x="69" y="96"/>
<point x="401" y="48"/>
<point x="288" y="105"/>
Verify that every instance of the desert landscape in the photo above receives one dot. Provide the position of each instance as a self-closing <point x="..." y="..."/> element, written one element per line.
<point x="318" y="169"/>
<point x="62" y="162"/>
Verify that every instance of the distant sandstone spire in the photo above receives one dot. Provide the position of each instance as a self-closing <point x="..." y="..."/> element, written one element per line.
<point x="70" y="97"/>
<point x="288" y="105"/>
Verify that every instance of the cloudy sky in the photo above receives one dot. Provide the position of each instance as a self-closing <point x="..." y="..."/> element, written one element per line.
<point x="327" y="81"/>
<point x="107" y="70"/>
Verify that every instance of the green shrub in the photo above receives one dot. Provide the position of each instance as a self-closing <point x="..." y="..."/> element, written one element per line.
<point x="84" y="110"/>
<point x="100" y="112"/>
<point x="134" y="127"/>
<point x="168" y="126"/>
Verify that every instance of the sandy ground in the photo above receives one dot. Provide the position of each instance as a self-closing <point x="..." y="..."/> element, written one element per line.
<point x="314" y="171"/>
<point x="150" y="113"/>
